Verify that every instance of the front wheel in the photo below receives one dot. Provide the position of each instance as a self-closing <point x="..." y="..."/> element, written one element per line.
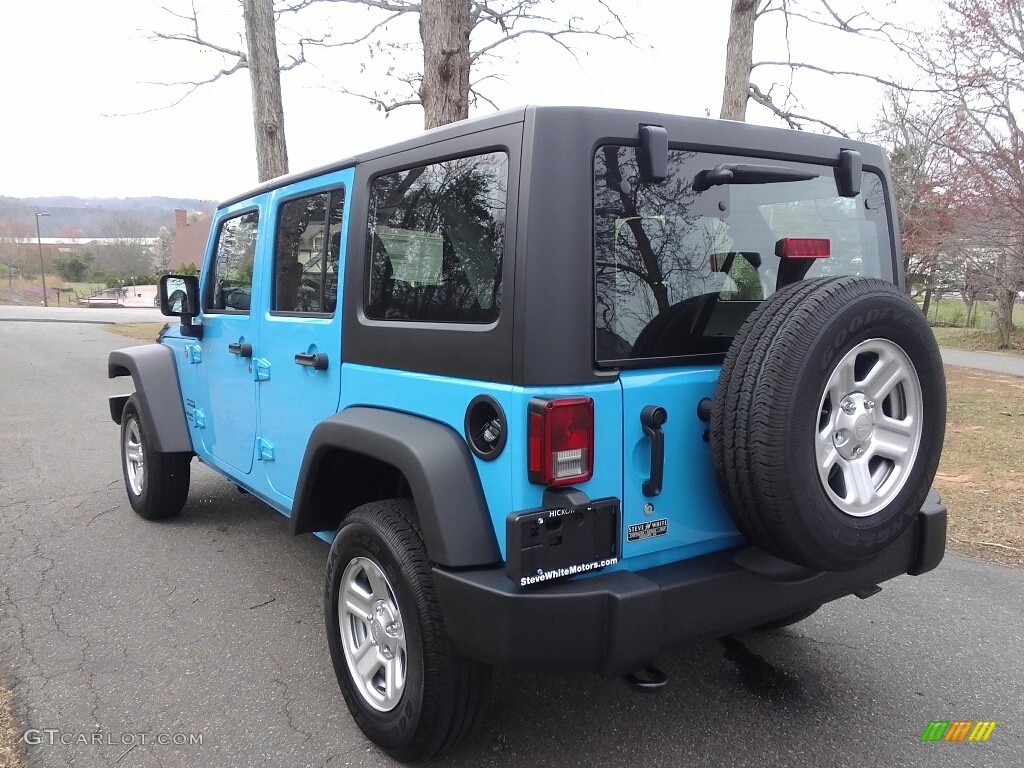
<point x="408" y="688"/>
<point x="157" y="482"/>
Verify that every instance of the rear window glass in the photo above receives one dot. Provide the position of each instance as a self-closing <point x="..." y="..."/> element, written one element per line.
<point x="678" y="270"/>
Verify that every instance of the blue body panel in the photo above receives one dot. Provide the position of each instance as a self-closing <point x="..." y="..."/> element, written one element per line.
<point x="294" y="399"/>
<point x="689" y="500"/>
<point x="255" y="431"/>
<point x="218" y="387"/>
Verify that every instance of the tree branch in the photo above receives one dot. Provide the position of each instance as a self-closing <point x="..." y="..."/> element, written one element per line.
<point x="792" y="119"/>
<point x="845" y="73"/>
<point x="393" y="6"/>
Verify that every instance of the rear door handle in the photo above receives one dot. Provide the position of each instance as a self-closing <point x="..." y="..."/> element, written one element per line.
<point x="651" y="418"/>
<point x="317" y="361"/>
<point x="242" y="349"/>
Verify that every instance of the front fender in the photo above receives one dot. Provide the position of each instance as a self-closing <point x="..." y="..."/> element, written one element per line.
<point x="153" y="370"/>
<point x="437" y="465"/>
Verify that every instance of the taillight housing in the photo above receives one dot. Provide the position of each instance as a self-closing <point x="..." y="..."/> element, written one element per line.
<point x="560" y="440"/>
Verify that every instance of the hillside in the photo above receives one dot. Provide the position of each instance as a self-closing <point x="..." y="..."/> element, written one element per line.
<point x="97" y="216"/>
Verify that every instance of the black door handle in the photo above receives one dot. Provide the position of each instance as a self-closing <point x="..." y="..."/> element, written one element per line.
<point x="242" y="349"/>
<point x="652" y="417"/>
<point x="317" y="361"/>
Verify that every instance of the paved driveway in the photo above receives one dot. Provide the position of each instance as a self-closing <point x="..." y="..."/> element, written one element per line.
<point x="1012" y="365"/>
<point x="211" y="626"/>
<point x="82" y="314"/>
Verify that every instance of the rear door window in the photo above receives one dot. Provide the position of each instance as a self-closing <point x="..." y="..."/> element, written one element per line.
<point x="678" y="270"/>
<point x="435" y="241"/>
<point x="306" y="251"/>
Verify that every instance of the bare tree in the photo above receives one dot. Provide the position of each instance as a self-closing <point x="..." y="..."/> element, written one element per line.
<point x="926" y="185"/>
<point x="455" y="38"/>
<point x="977" y="60"/>
<point x="265" y="80"/>
<point x="739" y="59"/>
<point x="850" y="17"/>
<point x="162" y="251"/>
<point x="127" y="250"/>
<point x="260" y="57"/>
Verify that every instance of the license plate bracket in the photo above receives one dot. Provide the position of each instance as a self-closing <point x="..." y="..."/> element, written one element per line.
<point x="547" y="544"/>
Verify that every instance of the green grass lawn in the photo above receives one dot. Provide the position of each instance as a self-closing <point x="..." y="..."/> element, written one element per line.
<point x="948" y="318"/>
<point x="954" y="312"/>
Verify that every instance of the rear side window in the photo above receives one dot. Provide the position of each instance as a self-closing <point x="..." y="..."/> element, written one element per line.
<point x="678" y="270"/>
<point x="435" y="241"/>
<point x="306" y="250"/>
<point x="230" y="288"/>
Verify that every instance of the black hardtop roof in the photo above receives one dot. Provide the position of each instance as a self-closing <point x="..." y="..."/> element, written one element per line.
<point x="443" y="133"/>
<point x="699" y="130"/>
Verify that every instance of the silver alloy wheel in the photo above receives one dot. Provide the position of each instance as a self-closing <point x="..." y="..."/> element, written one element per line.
<point x="870" y="419"/>
<point x="372" y="634"/>
<point x="134" y="458"/>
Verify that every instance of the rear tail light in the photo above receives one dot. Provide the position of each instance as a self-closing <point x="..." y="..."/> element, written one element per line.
<point x="561" y="440"/>
<point x="803" y="248"/>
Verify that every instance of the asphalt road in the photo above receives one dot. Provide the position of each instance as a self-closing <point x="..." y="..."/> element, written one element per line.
<point x="1012" y="365"/>
<point x="211" y="625"/>
<point x="81" y="314"/>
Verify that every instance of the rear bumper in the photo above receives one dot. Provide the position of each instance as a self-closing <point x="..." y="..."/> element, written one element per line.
<point x="622" y="621"/>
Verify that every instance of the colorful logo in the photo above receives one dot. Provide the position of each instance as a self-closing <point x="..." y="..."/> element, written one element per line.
<point x="958" y="730"/>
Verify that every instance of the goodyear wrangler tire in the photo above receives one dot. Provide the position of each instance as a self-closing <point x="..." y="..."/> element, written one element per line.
<point x="157" y="483"/>
<point x="408" y="688"/>
<point x="828" y="421"/>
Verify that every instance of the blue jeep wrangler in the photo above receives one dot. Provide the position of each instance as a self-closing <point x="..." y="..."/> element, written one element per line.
<point x="563" y="387"/>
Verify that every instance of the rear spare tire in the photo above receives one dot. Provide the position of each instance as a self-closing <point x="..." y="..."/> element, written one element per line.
<point x="828" y="421"/>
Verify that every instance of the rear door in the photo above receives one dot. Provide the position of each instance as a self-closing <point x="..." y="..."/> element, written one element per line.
<point x="300" y="329"/>
<point x="677" y="273"/>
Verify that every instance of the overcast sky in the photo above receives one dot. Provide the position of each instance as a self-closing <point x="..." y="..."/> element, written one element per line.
<point x="76" y="75"/>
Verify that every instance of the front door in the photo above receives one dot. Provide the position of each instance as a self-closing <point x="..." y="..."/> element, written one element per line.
<point x="225" y="407"/>
<point x="300" y="331"/>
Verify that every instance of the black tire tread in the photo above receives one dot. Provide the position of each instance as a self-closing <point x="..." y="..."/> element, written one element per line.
<point x="749" y="449"/>
<point x="167" y="477"/>
<point x="456" y="685"/>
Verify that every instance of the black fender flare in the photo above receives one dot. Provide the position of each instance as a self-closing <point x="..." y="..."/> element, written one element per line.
<point x="152" y="368"/>
<point x="437" y="465"/>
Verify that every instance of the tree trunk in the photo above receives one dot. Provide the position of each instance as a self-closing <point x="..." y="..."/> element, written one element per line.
<point x="1005" y="299"/>
<point x="739" y="57"/>
<point x="265" y="79"/>
<point x="444" y="29"/>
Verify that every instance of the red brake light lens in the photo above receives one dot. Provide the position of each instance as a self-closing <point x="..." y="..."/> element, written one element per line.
<point x="803" y="248"/>
<point x="561" y="440"/>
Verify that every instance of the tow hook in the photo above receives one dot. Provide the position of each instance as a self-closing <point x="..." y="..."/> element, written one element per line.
<point x="647" y="680"/>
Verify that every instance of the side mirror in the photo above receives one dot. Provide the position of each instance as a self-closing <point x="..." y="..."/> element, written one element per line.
<point x="179" y="297"/>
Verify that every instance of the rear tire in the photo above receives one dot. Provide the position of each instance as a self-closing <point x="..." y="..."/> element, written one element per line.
<point x="157" y="483"/>
<point x="408" y="688"/>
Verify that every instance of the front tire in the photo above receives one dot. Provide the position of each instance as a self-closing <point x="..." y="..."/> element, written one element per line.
<point x="156" y="482"/>
<point x="408" y="688"/>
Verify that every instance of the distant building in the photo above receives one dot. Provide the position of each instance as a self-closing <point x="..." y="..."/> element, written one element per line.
<point x="189" y="245"/>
